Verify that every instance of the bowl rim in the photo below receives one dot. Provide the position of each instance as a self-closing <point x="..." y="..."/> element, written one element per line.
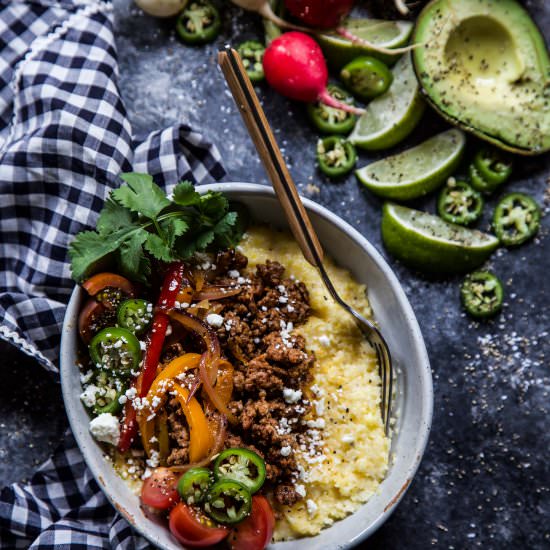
<point x="424" y="372"/>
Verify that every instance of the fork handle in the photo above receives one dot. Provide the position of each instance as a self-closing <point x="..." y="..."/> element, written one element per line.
<point x="258" y="127"/>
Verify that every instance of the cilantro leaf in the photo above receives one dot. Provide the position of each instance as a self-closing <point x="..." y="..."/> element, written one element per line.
<point x="158" y="248"/>
<point x="113" y="216"/>
<point x="142" y="195"/>
<point x="132" y="261"/>
<point x="185" y="194"/>
<point x="139" y="224"/>
<point x="89" y="251"/>
<point x="213" y="205"/>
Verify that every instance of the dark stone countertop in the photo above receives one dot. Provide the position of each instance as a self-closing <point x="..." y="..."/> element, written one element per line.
<point x="484" y="481"/>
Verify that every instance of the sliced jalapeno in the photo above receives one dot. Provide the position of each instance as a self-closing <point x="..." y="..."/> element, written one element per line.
<point x="135" y="315"/>
<point x="194" y="484"/>
<point x="108" y="402"/>
<point x="241" y="465"/>
<point x="366" y="77"/>
<point x="252" y="54"/>
<point x="115" y="349"/>
<point x="481" y="294"/>
<point x="330" y="120"/>
<point x="516" y="219"/>
<point x="198" y="23"/>
<point x="228" y="501"/>
<point x="336" y="156"/>
<point x="492" y="166"/>
<point x="460" y="203"/>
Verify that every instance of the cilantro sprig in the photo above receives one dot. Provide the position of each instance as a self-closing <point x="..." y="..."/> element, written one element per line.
<point x="139" y="223"/>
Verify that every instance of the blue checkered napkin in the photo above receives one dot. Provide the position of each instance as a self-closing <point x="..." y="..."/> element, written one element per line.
<point x="64" y="139"/>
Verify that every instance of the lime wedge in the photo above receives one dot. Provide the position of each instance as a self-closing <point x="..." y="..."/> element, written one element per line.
<point x="430" y="244"/>
<point x="417" y="171"/>
<point x="339" y="51"/>
<point x="394" y="114"/>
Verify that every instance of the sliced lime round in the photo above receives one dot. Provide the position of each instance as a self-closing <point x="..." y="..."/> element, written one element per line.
<point x="392" y="116"/>
<point x="416" y="171"/>
<point x="339" y="51"/>
<point x="430" y="244"/>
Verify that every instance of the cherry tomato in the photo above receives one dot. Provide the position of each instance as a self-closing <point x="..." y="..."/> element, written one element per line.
<point x="160" y="491"/>
<point x="99" y="282"/>
<point x="255" y="532"/>
<point x="193" y="529"/>
<point x="89" y="320"/>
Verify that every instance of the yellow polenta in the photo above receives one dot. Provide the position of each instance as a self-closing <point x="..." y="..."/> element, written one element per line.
<point x="346" y="393"/>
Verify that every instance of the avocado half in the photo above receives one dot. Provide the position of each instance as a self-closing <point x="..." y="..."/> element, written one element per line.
<point x="484" y="66"/>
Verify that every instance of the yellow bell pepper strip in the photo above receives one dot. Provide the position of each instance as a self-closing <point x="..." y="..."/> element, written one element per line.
<point x="159" y="388"/>
<point x="200" y="437"/>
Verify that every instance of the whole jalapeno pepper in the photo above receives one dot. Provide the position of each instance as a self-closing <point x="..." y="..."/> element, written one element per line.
<point x="336" y="156"/>
<point x="366" y="77"/>
<point x="482" y="294"/>
<point x="241" y="465"/>
<point x="135" y="315"/>
<point x="228" y="501"/>
<point x="516" y="219"/>
<point x="460" y="203"/>
<point x="252" y="54"/>
<point x="492" y="166"/>
<point x="194" y="484"/>
<point x="115" y="349"/>
<point x="330" y="120"/>
<point x="198" y="23"/>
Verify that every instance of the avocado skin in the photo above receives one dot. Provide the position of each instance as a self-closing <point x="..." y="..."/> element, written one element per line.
<point x="528" y="129"/>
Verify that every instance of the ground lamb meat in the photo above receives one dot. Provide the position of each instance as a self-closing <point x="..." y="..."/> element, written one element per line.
<point x="179" y="435"/>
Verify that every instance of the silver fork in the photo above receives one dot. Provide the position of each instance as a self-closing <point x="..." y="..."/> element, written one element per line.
<point x="298" y="219"/>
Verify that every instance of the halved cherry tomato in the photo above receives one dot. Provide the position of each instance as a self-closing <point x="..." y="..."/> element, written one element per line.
<point x="255" y="532"/>
<point x="193" y="529"/>
<point x="159" y="491"/>
<point x="98" y="282"/>
<point x="88" y="320"/>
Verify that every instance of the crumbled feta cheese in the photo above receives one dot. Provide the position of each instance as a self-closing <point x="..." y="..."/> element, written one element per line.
<point x="320" y="406"/>
<point x="300" y="489"/>
<point x="286" y="450"/>
<point x="85" y="378"/>
<point x="131" y="393"/>
<point x="319" y="423"/>
<point x="292" y="396"/>
<point x="153" y="462"/>
<point x="324" y="340"/>
<point x="214" y="320"/>
<point x="88" y="395"/>
<point x="234" y="274"/>
<point x="348" y="438"/>
<point x="142" y="345"/>
<point x="311" y="507"/>
<point x="122" y="399"/>
<point x="168" y="330"/>
<point x="106" y="428"/>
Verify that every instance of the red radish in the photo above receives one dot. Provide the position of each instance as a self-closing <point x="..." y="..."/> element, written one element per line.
<point x="322" y="14"/>
<point x="294" y="66"/>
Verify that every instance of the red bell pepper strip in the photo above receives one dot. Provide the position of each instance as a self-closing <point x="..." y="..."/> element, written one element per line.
<point x="155" y="340"/>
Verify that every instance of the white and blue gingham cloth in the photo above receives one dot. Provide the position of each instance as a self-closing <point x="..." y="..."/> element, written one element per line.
<point x="64" y="139"/>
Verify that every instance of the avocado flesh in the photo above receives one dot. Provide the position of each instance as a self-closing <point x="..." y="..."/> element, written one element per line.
<point x="483" y="65"/>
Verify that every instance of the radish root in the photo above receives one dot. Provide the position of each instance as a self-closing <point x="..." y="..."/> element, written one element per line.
<point x="327" y="99"/>
<point x="362" y="42"/>
<point x="401" y="7"/>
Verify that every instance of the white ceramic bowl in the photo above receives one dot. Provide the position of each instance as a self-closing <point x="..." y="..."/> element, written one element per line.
<point x="414" y="395"/>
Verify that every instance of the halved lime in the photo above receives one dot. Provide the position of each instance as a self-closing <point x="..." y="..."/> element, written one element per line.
<point x="430" y="244"/>
<point x="416" y="171"/>
<point x="339" y="51"/>
<point x="392" y="116"/>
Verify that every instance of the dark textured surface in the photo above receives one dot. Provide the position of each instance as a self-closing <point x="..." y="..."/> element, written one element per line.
<point x="484" y="481"/>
